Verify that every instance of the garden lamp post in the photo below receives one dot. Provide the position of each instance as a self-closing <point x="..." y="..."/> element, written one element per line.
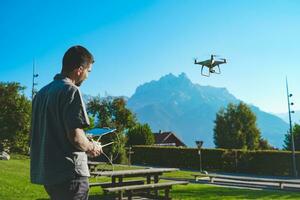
<point x="199" y="144"/>
<point x="129" y="151"/>
<point x="291" y="130"/>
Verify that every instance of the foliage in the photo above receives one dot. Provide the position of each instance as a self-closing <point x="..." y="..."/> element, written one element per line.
<point x="260" y="162"/>
<point x="264" y="145"/>
<point x="92" y="123"/>
<point x="288" y="138"/>
<point x="112" y="112"/>
<point x="15" y="116"/>
<point x="235" y="128"/>
<point x="140" y="134"/>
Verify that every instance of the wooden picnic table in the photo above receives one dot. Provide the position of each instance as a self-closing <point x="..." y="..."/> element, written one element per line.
<point x="118" y="184"/>
<point x="248" y="179"/>
<point x="148" y="173"/>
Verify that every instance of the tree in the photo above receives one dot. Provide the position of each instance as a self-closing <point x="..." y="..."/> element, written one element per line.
<point x="112" y="112"/>
<point x="92" y="123"/>
<point x="123" y="118"/>
<point x="140" y="135"/>
<point x="264" y="145"/>
<point x="15" y="117"/>
<point x="235" y="128"/>
<point x="288" y="138"/>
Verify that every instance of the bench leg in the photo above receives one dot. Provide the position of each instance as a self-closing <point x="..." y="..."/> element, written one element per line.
<point x="129" y="195"/>
<point x="148" y="182"/>
<point x="113" y="181"/>
<point x="156" y="193"/>
<point x="167" y="194"/>
<point x="148" y="179"/>
<point x="211" y="179"/>
<point x="120" y="180"/>
<point x="281" y="185"/>
<point x="120" y="195"/>
<point x="156" y="179"/>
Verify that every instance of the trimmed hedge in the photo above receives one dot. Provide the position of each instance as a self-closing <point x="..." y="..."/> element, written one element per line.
<point x="277" y="163"/>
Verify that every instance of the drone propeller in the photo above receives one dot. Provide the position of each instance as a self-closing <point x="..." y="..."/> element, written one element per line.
<point x="218" y="56"/>
<point x="195" y="59"/>
<point x="224" y="59"/>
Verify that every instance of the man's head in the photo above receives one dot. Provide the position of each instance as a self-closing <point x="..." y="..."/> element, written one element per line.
<point x="77" y="63"/>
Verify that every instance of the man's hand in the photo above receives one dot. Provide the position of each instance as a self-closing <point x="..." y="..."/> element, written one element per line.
<point x="78" y="138"/>
<point x="96" y="150"/>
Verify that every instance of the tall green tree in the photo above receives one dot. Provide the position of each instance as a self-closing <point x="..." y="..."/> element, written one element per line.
<point x="123" y="118"/>
<point x="15" y="117"/>
<point x="140" y="134"/>
<point x="235" y="128"/>
<point x="288" y="138"/>
<point x="112" y="112"/>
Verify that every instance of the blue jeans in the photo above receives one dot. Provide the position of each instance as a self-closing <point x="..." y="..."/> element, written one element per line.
<point x="75" y="189"/>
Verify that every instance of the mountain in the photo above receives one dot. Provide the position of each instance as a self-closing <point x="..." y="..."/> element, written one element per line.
<point x="174" y="103"/>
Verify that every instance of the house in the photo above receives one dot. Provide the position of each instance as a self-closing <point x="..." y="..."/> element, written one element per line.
<point x="167" y="139"/>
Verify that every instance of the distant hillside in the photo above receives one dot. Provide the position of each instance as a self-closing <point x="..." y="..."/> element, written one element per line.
<point x="295" y="116"/>
<point x="174" y="103"/>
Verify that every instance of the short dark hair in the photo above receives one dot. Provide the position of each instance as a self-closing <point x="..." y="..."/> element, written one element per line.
<point x="75" y="57"/>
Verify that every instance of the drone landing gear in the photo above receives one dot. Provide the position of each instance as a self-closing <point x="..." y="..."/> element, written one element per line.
<point x="217" y="71"/>
<point x="204" y="74"/>
<point x="210" y="71"/>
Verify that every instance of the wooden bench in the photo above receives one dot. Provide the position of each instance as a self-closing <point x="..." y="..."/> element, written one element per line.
<point x="124" y="183"/>
<point x="280" y="182"/>
<point x="146" y="189"/>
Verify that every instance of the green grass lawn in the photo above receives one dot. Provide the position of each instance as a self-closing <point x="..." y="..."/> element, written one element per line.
<point x="15" y="185"/>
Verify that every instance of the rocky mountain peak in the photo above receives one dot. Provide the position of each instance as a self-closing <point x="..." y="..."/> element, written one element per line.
<point x="174" y="103"/>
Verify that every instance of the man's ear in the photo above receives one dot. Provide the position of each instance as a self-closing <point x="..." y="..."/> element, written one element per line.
<point x="79" y="70"/>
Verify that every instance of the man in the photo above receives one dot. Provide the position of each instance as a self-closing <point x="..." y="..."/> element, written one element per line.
<point x="59" y="146"/>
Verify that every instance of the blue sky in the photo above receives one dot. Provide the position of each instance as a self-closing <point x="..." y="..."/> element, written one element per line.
<point x="137" y="41"/>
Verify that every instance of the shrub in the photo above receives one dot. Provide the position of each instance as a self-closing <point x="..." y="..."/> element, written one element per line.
<point x="260" y="162"/>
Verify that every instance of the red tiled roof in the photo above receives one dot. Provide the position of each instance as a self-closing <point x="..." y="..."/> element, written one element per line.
<point x="162" y="137"/>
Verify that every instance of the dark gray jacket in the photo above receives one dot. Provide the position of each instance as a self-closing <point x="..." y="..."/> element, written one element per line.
<point x="57" y="108"/>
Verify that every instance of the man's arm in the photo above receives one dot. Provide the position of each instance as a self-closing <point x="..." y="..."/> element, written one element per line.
<point x="80" y="141"/>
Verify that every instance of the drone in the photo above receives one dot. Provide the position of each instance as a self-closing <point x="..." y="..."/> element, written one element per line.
<point x="212" y="64"/>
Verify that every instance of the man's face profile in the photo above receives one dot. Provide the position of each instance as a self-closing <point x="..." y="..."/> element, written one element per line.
<point x="83" y="74"/>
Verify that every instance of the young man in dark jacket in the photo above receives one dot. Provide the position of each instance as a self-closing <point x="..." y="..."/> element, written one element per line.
<point x="59" y="147"/>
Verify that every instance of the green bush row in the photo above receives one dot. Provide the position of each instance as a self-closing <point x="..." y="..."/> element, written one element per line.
<point x="261" y="162"/>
